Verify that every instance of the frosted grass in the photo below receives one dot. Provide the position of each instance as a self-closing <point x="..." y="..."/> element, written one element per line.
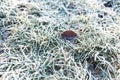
<point x="31" y="47"/>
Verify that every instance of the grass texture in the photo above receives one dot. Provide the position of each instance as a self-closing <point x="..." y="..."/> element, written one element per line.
<point x="31" y="47"/>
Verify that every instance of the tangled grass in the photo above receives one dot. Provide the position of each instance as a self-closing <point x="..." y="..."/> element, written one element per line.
<point x="31" y="47"/>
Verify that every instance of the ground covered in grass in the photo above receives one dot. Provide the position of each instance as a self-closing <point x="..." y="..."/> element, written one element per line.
<point x="31" y="46"/>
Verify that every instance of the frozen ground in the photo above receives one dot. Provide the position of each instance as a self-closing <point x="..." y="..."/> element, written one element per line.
<point x="31" y="47"/>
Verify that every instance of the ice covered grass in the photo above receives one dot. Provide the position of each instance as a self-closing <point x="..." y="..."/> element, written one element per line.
<point x="31" y="47"/>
